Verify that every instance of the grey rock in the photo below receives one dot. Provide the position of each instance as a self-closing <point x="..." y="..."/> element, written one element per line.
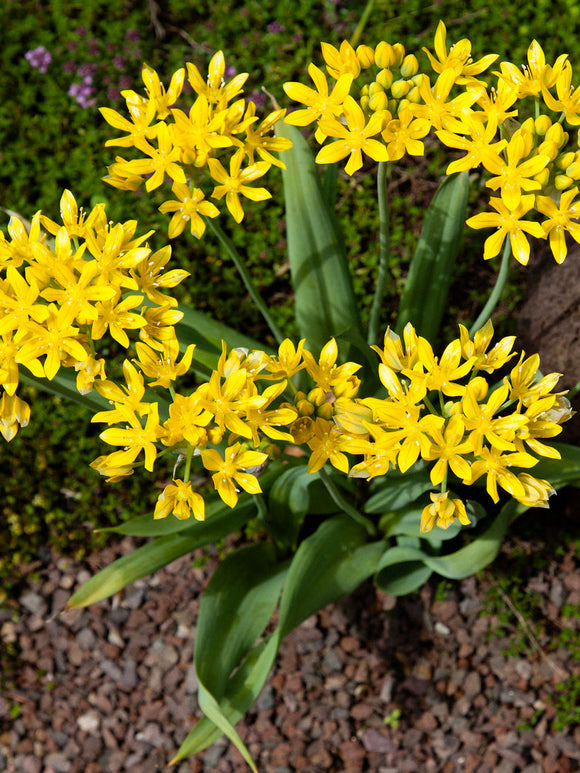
<point x="34" y="603"/>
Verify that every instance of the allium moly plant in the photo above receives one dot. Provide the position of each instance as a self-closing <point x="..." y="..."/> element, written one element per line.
<point x="353" y="455"/>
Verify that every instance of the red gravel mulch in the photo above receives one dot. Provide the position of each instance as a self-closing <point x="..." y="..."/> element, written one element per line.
<point x="371" y="683"/>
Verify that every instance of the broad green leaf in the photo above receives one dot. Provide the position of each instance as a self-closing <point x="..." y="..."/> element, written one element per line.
<point x="64" y="385"/>
<point x="242" y="690"/>
<point x="425" y="293"/>
<point x="398" y="491"/>
<point x="220" y="519"/>
<point x="324" y="298"/>
<point x="207" y="334"/>
<point x="125" y="570"/>
<point x="288" y="503"/>
<point x="329" y="564"/>
<point x="236" y="607"/>
<point x="560" y="472"/>
<point x="405" y="562"/>
<point x="402" y="571"/>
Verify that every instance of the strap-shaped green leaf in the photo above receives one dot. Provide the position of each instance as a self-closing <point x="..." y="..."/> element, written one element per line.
<point x="398" y="491"/>
<point x="236" y="607"/>
<point x="207" y="334"/>
<point x="324" y="297"/>
<point x="425" y="294"/>
<point x="329" y="564"/>
<point x="455" y="566"/>
<point x="125" y="570"/>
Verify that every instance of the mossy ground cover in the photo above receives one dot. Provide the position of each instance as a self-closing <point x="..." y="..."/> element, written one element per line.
<point x="52" y="137"/>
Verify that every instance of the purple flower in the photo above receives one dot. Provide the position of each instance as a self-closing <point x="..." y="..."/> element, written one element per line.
<point x="87" y="69"/>
<point x="93" y="47"/>
<point x="230" y="70"/>
<point x="82" y="93"/>
<point x="133" y="35"/>
<point x="39" y="58"/>
<point x="81" y="31"/>
<point x="275" y="26"/>
<point x="69" y="66"/>
<point x="112" y="93"/>
<point x="258" y="98"/>
<point x="124" y="82"/>
<point x="119" y="63"/>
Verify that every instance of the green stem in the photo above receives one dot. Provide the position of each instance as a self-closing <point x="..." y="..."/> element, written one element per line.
<point x="362" y="23"/>
<point x="339" y="500"/>
<point x="384" y="251"/>
<point x="246" y="278"/>
<point x="493" y="299"/>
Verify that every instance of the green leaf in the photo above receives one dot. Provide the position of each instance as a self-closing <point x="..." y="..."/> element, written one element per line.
<point x="324" y="298"/>
<point x="560" y="472"/>
<point x="207" y="334"/>
<point x="64" y="385"/>
<point x="425" y="294"/>
<point x="236" y="607"/>
<point x="329" y="564"/>
<point x="125" y="570"/>
<point x="397" y="492"/>
<point x="400" y="567"/>
<point x="220" y="519"/>
<point x="288" y="503"/>
<point x="402" y="571"/>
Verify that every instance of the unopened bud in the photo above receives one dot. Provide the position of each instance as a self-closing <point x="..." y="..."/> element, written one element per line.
<point x="399" y="52"/>
<point x="385" y="78"/>
<point x="325" y="411"/>
<point x="410" y="66"/>
<point x="542" y="124"/>
<point x="562" y="181"/>
<point x="565" y="160"/>
<point x="365" y="56"/>
<point x="384" y="54"/>
<point x="400" y="89"/>
<point x="305" y="408"/>
<point x="378" y="102"/>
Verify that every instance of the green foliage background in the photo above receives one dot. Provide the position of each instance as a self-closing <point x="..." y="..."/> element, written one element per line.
<point x="48" y="142"/>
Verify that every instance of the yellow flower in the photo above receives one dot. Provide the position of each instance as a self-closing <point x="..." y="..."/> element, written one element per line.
<point x="515" y="174"/>
<point x="142" y="113"/>
<point x="115" y="316"/>
<point x="135" y="438"/>
<point x="162" y="161"/>
<point x="403" y="135"/>
<point x="326" y="444"/>
<point x="217" y="91"/>
<point x="508" y="223"/>
<point x="340" y="61"/>
<point x="189" y="208"/>
<point x="536" y="491"/>
<point x="442" y="512"/>
<point x="14" y="413"/>
<point x="235" y="184"/>
<point x="448" y="449"/>
<point x="490" y="361"/>
<point x="562" y="219"/>
<point x="163" y="100"/>
<point x="458" y="58"/>
<point x="163" y="366"/>
<point x="436" y="104"/>
<point x="180" y="499"/>
<point x="259" y="139"/>
<point x="568" y="100"/>
<point x="150" y="280"/>
<point x="494" y="464"/>
<point x="477" y="147"/>
<point x="535" y="77"/>
<point x="480" y="422"/>
<point x="320" y="104"/>
<point x="232" y="469"/>
<point x="354" y="138"/>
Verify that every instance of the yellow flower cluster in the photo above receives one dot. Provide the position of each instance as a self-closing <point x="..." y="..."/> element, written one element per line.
<point x="60" y="294"/>
<point x="382" y="106"/>
<point x="438" y="410"/>
<point x="184" y="146"/>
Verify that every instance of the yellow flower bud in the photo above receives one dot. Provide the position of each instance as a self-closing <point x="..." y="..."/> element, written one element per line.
<point x="542" y="124"/>
<point x="410" y="66"/>
<point x="365" y="56"/>
<point x="385" y="78"/>
<point x="299" y="396"/>
<point x="325" y="411"/>
<point x="400" y="89"/>
<point x="399" y="52"/>
<point x="375" y="88"/>
<point x="414" y="95"/>
<point x="365" y="90"/>
<point x="547" y="148"/>
<point x="378" y="102"/>
<point x="529" y="125"/>
<point x="364" y="103"/>
<point x="304" y="408"/>
<point x="573" y="171"/>
<point x="556" y="134"/>
<point x="562" y="182"/>
<point x="543" y="177"/>
<point x="317" y="396"/>
<point x="384" y="55"/>
<point x="393" y="106"/>
<point x="565" y="160"/>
